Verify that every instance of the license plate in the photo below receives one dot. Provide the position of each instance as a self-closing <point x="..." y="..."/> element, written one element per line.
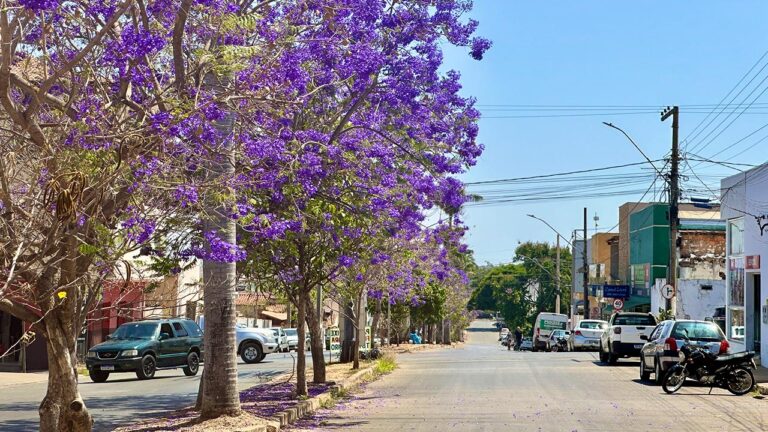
<point x="638" y="346"/>
<point x="107" y="368"/>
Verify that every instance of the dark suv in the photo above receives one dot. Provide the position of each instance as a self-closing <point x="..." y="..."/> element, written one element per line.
<point x="145" y="346"/>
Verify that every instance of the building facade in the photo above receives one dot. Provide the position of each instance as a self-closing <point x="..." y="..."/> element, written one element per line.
<point x="744" y="199"/>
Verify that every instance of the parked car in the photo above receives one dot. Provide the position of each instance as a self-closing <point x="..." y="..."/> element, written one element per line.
<point x="282" y="337"/>
<point x="293" y="338"/>
<point x="586" y="335"/>
<point x="661" y="350"/>
<point x="253" y="344"/>
<point x="146" y="346"/>
<point x="623" y="338"/>
<point x="545" y="323"/>
<point x="526" y="344"/>
<point x="557" y="340"/>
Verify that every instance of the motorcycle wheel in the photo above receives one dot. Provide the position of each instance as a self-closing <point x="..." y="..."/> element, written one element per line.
<point x="554" y="348"/>
<point x="740" y="381"/>
<point x="673" y="379"/>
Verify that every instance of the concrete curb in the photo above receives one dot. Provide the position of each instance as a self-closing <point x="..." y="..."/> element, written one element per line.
<point x="307" y="407"/>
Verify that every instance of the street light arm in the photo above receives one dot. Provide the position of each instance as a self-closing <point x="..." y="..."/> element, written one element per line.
<point x="552" y="228"/>
<point x="611" y="125"/>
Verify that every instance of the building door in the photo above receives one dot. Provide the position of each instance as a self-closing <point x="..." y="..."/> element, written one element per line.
<point x="757" y="305"/>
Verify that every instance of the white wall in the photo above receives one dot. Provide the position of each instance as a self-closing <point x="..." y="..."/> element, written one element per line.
<point x="693" y="302"/>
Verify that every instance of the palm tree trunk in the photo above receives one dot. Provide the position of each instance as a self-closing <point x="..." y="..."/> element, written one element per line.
<point x="220" y="395"/>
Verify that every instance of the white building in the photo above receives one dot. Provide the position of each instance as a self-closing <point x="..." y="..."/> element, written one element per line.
<point x="745" y="207"/>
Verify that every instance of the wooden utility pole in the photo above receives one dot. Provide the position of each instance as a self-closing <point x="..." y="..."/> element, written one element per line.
<point x="557" y="275"/>
<point x="674" y="196"/>
<point x="586" y="269"/>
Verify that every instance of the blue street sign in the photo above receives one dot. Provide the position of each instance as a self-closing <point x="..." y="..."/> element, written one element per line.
<point x="616" y="291"/>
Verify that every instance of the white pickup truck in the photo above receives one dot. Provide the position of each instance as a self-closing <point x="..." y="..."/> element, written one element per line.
<point x="622" y="337"/>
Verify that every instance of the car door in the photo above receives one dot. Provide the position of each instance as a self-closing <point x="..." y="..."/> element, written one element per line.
<point x="181" y="344"/>
<point x="167" y="350"/>
<point x="649" y="349"/>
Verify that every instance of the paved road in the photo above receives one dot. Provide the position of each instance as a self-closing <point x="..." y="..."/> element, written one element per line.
<point x="124" y="398"/>
<point x="482" y="387"/>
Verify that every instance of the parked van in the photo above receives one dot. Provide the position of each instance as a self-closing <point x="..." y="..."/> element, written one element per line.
<point x="545" y="323"/>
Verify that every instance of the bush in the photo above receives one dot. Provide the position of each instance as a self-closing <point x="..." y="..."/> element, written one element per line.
<point x="385" y="364"/>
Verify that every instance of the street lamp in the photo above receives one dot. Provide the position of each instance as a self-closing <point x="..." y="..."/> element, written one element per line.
<point x="557" y="263"/>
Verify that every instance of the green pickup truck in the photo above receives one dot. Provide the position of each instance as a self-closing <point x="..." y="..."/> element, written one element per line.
<point x="146" y="346"/>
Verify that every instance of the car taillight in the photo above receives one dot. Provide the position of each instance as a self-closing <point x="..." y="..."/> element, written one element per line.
<point x="670" y="344"/>
<point x="724" y="345"/>
<point x="577" y="333"/>
<point x="617" y="330"/>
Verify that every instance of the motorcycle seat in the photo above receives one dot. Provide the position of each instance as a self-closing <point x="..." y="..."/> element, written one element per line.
<point x="735" y="356"/>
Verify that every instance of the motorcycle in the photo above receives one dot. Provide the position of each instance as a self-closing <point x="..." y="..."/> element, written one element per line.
<point x="560" y="345"/>
<point x="730" y="371"/>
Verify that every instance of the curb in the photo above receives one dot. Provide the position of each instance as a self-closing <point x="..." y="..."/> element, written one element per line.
<point x="306" y="407"/>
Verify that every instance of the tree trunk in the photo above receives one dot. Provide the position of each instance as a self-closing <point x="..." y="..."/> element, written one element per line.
<point x="301" y="358"/>
<point x="360" y="321"/>
<point x="62" y="408"/>
<point x="348" y="333"/>
<point x="220" y="395"/>
<point x="316" y="341"/>
<point x="375" y="323"/>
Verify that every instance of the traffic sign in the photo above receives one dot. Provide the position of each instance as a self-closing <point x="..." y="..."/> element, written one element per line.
<point x="668" y="291"/>
<point x="618" y="304"/>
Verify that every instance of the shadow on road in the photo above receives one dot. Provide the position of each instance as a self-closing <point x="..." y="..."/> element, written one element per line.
<point x="618" y="364"/>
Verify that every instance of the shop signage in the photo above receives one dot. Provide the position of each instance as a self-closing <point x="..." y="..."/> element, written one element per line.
<point x="616" y="291"/>
<point x="752" y="262"/>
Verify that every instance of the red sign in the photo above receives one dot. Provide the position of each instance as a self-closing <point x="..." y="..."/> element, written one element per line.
<point x="752" y="262"/>
<point x="618" y="304"/>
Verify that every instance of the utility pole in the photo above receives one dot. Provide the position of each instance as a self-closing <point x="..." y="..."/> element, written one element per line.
<point x="557" y="275"/>
<point x="586" y="269"/>
<point x="674" y="196"/>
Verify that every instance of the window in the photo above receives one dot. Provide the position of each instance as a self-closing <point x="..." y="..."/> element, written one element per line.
<point x="736" y="297"/>
<point x="166" y="328"/>
<point x="180" y="332"/>
<point x="641" y="320"/>
<point x="655" y="333"/>
<point x="697" y="331"/>
<point x="736" y="237"/>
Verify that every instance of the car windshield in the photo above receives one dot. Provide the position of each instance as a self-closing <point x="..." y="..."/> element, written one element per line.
<point x="701" y="331"/>
<point x="592" y="325"/>
<point x="291" y="332"/>
<point x="634" y="320"/>
<point x="135" y="331"/>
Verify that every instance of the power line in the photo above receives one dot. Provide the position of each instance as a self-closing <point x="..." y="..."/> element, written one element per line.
<point x="557" y="174"/>
<point x="743" y="77"/>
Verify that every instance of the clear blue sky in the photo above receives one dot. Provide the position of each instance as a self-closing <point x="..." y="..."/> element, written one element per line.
<point x="601" y="53"/>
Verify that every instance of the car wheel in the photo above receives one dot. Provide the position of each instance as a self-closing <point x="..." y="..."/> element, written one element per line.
<point x="193" y="364"/>
<point x="98" y="376"/>
<point x="251" y="353"/>
<point x="658" y="374"/>
<point x="147" y="368"/>
<point x="644" y="374"/>
<point x="603" y="355"/>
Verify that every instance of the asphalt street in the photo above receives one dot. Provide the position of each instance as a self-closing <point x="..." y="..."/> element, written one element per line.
<point x="483" y="387"/>
<point x="124" y="398"/>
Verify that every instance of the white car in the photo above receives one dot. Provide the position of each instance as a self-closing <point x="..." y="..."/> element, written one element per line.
<point x="282" y="337"/>
<point x="624" y="336"/>
<point x="586" y="335"/>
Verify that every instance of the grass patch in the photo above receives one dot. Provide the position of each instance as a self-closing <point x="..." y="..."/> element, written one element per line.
<point x="386" y="364"/>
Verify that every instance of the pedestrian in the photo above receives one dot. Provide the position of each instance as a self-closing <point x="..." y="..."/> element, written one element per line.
<point x="518" y="338"/>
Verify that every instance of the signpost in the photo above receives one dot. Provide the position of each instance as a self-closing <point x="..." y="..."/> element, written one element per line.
<point x="618" y="304"/>
<point x="616" y="291"/>
<point x="668" y="291"/>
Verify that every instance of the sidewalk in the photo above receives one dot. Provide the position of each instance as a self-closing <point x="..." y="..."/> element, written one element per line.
<point x="8" y="379"/>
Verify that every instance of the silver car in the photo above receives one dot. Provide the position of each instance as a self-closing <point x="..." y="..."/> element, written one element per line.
<point x="586" y="335"/>
<point x="282" y="337"/>
<point x="661" y="350"/>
